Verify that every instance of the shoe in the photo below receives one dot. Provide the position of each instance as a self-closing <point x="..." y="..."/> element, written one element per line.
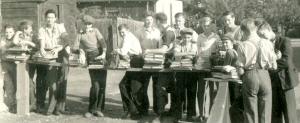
<point x="98" y="114"/>
<point x="88" y="115"/>
<point x="57" y="113"/>
<point x="202" y="119"/>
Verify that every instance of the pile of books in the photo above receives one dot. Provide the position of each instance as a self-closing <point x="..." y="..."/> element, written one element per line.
<point x="154" y="61"/>
<point x="96" y="64"/>
<point x="74" y="59"/>
<point x="48" y="57"/>
<point x="17" y="54"/>
<point x="123" y="64"/>
<point x="182" y="63"/>
<point x="219" y="72"/>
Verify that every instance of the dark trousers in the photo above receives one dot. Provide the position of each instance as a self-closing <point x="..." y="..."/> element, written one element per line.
<point x="41" y="85"/>
<point x="186" y="86"/>
<point x="56" y="78"/>
<point x="164" y="85"/>
<point x="257" y="96"/>
<point x="63" y="73"/>
<point x="52" y="81"/>
<point x="133" y="92"/>
<point x="283" y="102"/>
<point x="10" y="87"/>
<point x="146" y="80"/>
<point x="32" y="95"/>
<point x="97" y="90"/>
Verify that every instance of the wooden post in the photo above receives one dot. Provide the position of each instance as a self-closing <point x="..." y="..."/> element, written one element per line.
<point x="22" y="94"/>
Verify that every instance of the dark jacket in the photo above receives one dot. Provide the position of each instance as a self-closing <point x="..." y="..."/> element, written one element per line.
<point x="287" y="72"/>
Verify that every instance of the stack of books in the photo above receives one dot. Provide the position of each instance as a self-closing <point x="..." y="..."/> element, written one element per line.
<point x="96" y="64"/>
<point x="74" y="60"/>
<point x="154" y="61"/>
<point x="48" y="57"/>
<point x="219" y="72"/>
<point x="17" y="53"/>
<point x="182" y="63"/>
<point x="123" y="64"/>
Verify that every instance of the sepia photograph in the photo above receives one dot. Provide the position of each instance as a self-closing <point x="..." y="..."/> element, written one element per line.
<point x="149" y="61"/>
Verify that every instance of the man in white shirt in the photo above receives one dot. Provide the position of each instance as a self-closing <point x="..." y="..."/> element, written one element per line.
<point x="130" y="50"/>
<point x="208" y="43"/>
<point x="52" y="39"/>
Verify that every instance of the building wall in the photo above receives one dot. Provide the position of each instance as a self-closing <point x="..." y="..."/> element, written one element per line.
<point x="129" y="9"/>
<point x="66" y="12"/>
<point x="14" y="12"/>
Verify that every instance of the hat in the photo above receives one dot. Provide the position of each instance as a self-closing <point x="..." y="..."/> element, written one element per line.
<point x="226" y="37"/>
<point x="187" y="31"/>
<point x="88" y="19"/>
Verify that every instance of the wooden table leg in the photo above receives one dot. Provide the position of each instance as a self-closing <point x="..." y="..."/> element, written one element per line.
<point x="22" y="94"/>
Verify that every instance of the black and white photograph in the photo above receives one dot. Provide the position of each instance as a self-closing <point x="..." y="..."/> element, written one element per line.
<point x="149" y="61"/>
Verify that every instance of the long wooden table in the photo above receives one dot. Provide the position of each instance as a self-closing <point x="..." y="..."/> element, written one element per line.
<point x="23" y="80"/>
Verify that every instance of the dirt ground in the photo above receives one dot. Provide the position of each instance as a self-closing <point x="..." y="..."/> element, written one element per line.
<point x="77" y="103"/>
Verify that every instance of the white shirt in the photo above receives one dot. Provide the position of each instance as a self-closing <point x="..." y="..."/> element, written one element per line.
<point x="207" y="44"/>
<point x="131" y="45"/>
<point x="52" y="36"/>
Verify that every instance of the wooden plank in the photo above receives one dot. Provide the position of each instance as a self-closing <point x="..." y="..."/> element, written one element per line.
<point x="19" y="5"/>
<point x="220" y="109"/>
<point x="13" y="1"/>
<point x="19" y="12"/>
<point x="22" y="94"/>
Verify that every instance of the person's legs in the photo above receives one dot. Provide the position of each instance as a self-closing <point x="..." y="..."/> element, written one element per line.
<point x="203" y="99"/>
<point x="63" y="78"/>
<point x="126" y="94"/>
<point x="179" y="92"/>
<point x="10" y="85"/>
<point x="102" y="85"/>
<point x="32" y="84"/>
<point x="191" y="93"/>
<point x="162" y="87"/>
<point x="277" y="96"/>
<point x="41" y="85"/>
<point x="264" y="97"/>
<point x="250" y="89"/>
<point x="52" y="80"/>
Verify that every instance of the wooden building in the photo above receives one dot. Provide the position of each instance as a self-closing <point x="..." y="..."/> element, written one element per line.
<point x="14" y="11"/>
<point x="133" y="9"/>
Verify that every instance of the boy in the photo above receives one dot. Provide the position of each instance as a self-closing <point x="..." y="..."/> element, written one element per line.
<point x="52" y="39"/>
<point x="131" y="95"/>
<point x="91" y="44"/>
<point x="207" y="44"/>
<point x="9" y="69"/>
<point x="25" y="38"/>
<point x="186" y="48"/>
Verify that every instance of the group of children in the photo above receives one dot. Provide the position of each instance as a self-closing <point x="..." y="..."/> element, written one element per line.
<point x="249" y="48"/>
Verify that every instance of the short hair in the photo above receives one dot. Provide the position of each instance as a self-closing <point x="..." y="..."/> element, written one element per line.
<point x="6" y="26"/>
<point x="149" y="14"/>
<point x="247" y="26"/>
<point x="50" y="11"/>
<point x="265" y="26"/>
<point x="162" y="17"/>
<point x="122" y="26"/>
<point x="179" y="14"/>
<point x="226" y="13"/>
<point x="24" y="25"/>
